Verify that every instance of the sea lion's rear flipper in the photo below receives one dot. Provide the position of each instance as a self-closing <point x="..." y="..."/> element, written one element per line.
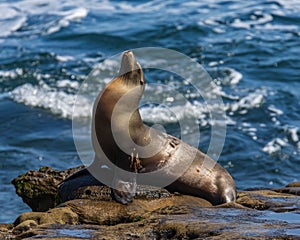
<point x="68" y="188"/>
<point x="124" y="183"/>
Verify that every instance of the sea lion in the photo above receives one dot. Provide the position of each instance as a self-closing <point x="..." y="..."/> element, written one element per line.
<point x="119" y="134"/>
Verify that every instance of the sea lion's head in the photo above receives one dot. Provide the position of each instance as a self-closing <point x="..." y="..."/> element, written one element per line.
<point x="131" y="71"/>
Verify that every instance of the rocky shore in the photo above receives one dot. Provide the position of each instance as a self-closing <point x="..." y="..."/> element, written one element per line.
<point x="154" y="214"/>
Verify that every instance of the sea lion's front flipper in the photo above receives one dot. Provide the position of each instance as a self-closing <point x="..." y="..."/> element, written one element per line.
<point x="124" y="187"/>
<point x="124" y="183"/>
<point x="124" y="191"/>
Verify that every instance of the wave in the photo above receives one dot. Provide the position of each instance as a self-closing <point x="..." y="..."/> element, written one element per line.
<point x="226" y="75"/>
<point x="258" y="18"/>
<point x="10" y="74"/>
<point x="56" y="15"/>
<point x="11" y="20"/>
<point x="250" y="101"/>
<point x="60" y="99"/>
<point x="72" y="15"/>
<point x="57" y="101"/>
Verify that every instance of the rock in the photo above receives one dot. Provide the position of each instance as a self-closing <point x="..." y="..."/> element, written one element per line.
<point x="63" y="215"/>
<point x="267" y="200"/>
<point x="181" y="222"/>
<point x="293" y="184"/>
<point x="155" y="214"/>
<point x="86" y="211"/>
<point x="175" y="217"/>
<point x="289" y="190"/>
<point x="38" y="189"/>
<point x="24" y="226"/>
<point x="230" y="223"/>
<point x="111" y="213"/>
<point x="231" y="205"/>
<point x="4" y="227"/>
<point x="6" y="231"/>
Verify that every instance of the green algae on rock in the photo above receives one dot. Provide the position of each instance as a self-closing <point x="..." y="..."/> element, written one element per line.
<point x="38" y="189"/>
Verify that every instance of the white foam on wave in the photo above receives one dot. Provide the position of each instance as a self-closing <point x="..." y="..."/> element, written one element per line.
<point x="11" y="74"/>
<point x="10" y="20"/>
<point x="78" y="9"/>
<point x="250" y="101"/>
<point x="59" y="101"/>
<point x="210" y="21"/>
<point x="151" y="6"/>
<point x="264" y="18"/>
<point x="13" y="15"/>
<point x="291" y="138"/>
<point x="198" y="112"/>
<point x="270" y="26"/>
<point x="274" y="146"/>
<point x="227" y="75"/>
<point x="76" y="14"/>
<point x="172" y="114"/>
<point x="72" y="15"/>
<point x="219" y="30"/>
<point x="293" y="133"/>
<point x="292" y="5"/>
<point x="193" y="4"/>
<point x="64" y="58"/>
<point x="275" y="110"/>
<point x="107" y="65"/>
<point x="43" y="96"/>
<point x="67" y="83"/>
<point x="233" y="77"/>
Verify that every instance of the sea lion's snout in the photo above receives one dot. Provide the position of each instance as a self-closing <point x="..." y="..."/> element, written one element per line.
<point x="128" y="63"/>
<point x="129" y="60"/>
<point x="128" y="53"/>
<point x="131" y="69"/>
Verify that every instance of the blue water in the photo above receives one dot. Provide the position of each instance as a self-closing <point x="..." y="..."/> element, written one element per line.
<point x="250" y="48"/>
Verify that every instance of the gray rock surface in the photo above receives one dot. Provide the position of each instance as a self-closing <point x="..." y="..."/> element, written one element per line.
<point x="257" y="214"/>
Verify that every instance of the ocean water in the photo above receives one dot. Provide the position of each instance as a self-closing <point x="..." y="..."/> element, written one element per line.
<point x="250" y="48"/>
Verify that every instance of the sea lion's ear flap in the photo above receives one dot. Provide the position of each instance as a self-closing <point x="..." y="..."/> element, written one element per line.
<point x="141" y="74"/>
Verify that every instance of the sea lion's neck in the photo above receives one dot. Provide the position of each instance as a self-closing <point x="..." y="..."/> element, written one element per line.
<point x="137" y="129"/>
<point x="120" y="104"/>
